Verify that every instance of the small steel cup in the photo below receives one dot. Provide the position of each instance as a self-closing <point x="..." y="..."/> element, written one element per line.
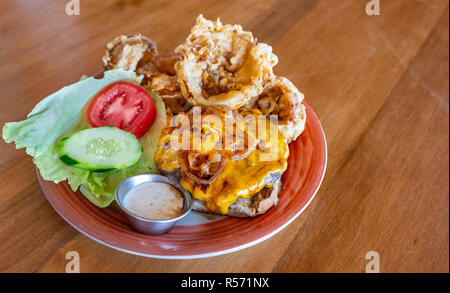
<point x="144" y="225"/>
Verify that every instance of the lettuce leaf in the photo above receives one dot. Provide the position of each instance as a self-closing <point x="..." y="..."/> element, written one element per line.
<point x="63" y="113"/>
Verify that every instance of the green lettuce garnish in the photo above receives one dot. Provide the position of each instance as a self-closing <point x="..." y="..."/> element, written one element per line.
<point x="63" y="113"/>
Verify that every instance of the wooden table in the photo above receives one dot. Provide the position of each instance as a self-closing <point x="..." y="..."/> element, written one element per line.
<point x="379" y="84"/>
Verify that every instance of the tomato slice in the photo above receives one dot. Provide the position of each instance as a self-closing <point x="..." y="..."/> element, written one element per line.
<point x="124" y="105"/>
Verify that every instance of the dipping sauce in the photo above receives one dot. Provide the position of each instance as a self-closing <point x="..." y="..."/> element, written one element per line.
<point x="155" y="201"/>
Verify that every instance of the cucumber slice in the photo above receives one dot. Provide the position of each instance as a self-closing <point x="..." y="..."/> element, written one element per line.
<point x="100" y="149"/>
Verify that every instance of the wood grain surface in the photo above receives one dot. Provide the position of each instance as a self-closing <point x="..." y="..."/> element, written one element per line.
<point x="379" y="84"/>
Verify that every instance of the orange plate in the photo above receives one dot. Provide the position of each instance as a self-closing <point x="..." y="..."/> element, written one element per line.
<point x="203" y="235"/>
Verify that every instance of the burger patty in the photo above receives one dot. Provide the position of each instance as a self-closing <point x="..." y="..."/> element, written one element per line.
<point x="259" y="203"/>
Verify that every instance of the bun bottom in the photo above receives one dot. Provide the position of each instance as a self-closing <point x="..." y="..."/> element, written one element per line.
<point x="258" y="204"/>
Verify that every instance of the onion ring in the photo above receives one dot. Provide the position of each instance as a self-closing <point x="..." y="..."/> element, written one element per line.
<point x="186" y="169"/>
<point x="222" y="65"/>
<point x="283" y="99"/>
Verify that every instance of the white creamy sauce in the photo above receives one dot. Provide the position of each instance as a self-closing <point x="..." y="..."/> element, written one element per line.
<point x="154" y="200"/>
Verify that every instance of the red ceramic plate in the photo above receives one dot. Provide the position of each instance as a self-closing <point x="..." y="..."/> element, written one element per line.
<point x="202" y="235"/>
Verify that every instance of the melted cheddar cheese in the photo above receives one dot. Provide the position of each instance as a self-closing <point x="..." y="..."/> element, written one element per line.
<point x="239" y="178"/>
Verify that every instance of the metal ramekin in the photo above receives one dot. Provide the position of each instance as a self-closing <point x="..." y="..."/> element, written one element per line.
<point x="144" y="225"/>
